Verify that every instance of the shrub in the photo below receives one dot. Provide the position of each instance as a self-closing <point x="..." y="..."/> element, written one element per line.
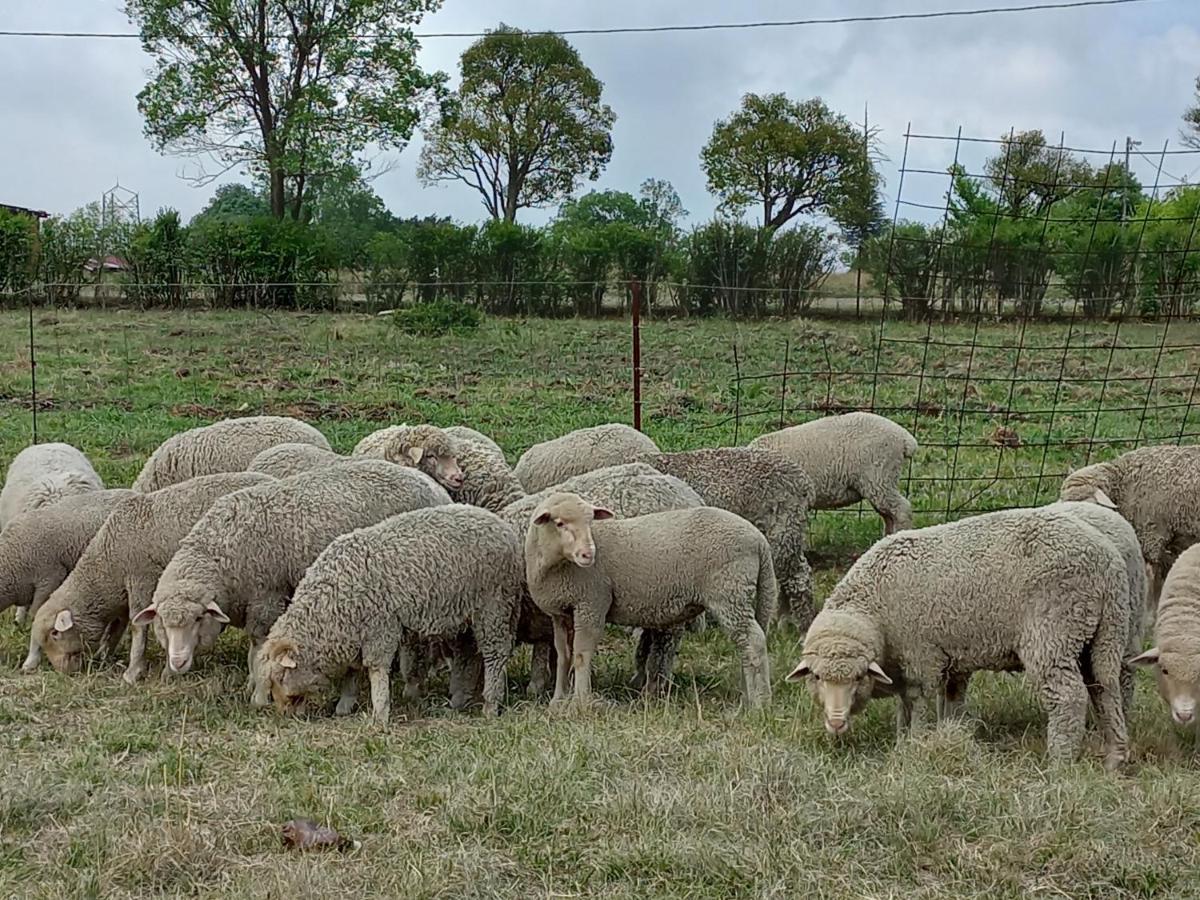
<point x="18" y="256"/>
<point x="438" y="318"/>
<point x="158" y="260"/>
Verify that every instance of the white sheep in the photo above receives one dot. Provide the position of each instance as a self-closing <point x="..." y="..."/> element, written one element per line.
<point x="1175" y="655"/>
<point x="115" y="577"/>
<point x="553" y="462"/>
<point x="39" y="549"/>
<point x="768" y="491"/>
<point x="655" y="571"/>
<point x="851" y="457"/>
<point x="1033" y="589"/>
<point x="1158" y="490"/>
<point x="242" y="560"/>
<point x="463" y="433"/>
<point x="449" y="573"/>
<point x="424" y="447"/>
<point x="285" y="460"/>
<point x="226" y="446"/>
<point x="488" y="480"/>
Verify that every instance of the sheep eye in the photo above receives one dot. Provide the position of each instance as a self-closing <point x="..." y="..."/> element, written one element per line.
<point x="558" y="522"/>
<point x="54" y="632"/>
<point x="816" y="677"/>
<point x="1162" y="669"/>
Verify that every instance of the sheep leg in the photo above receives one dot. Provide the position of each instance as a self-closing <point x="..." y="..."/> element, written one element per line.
<point x="1065" y="697"/>
<point x="1107" y="692"/>
<point x="34" y="656"/>
<point x="349" y="694"/>
<point x="137" y="655"/>
<point x="21" y="614"/>
<point x="414" y="665"/>
<point x="756" y="665"/>
<point x="952" y="699"/>
<point x="495" y="678"/>
<point x="641" y="654"/>
<point x="893" y="507"/>
<point x="466" y="670"/>
<point x="541" y="668"/>
<point x="260" y="693"/>
<point x="587" y="639"/>
<point x="903" y="715"/>
<point x="562" y="669"/>
<point x="659" y="661"/>
<point x="380" y="675"/>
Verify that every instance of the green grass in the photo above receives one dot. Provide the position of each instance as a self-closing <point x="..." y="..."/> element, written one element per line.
<point x="180" y="788"/>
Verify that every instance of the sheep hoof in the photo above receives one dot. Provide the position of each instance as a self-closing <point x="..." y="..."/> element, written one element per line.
<point x="132" y="676"/>
<point x="21" y="614"/>
<point x="344" y="707"/>
<point x="29" y="666"/>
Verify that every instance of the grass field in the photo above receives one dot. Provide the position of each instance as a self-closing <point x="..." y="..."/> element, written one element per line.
<point x="179" y="789"/>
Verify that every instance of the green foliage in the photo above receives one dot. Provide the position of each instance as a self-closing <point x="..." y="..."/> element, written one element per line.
<point x="350" y="211"/>
<point x="67" y="245"/>
<point x="903" y="263"/>
<point x="234" y="201"/>
<point x="526" y="126"/>
<point x="516" y="268"/>
<point x="18" y="251"/>
<point x="159" y="260"/>
<point x="285" y="89"/>
<point x="798" y="261"/>
<point x="1170" y="259"/>
<point x="790" y="159"/>
<point x="440" y="258"/>
<point x="438" y="318"/>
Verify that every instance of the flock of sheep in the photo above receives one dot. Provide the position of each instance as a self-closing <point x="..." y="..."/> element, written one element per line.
<point x="425" y="547"/>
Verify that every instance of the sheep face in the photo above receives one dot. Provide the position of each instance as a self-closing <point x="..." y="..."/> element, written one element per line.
<point x="1091" y="484"/>
<point x="1178" y="676"/>
<point x="292" y="683"/>
<point x="841" y="685"/>
<point x="564" y="527"/>
<point x="57" y="634"/>
<point x="430" y="450"/>
<point x="187" y="615"/>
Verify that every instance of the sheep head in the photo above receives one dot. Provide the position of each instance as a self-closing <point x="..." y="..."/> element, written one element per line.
<point x="429" y="449"/>
<point x="292" y="682"/>
<point x="562" y="525"/>
<point x="1177" y="670"/>
<point x="55" y="630"/>
<point x="840" y="664"/>
<point x="187" y="612"/>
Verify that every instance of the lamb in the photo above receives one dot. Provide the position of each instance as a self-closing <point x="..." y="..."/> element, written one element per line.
<point x="767" y="490"/>
<point x="553" y="462"/>
<point x="655" y="571"/>
<point x="243" y="559"/>
<point x="1158" y="490"/>
<point x="450" y="572"/>
<point x="488" y="480"/>
<point x="1175" y="655"/>
<point x="38" y="549"/>
<point x="226" y="446"/>
<point x="285" y="460"/>
<point x="1033" y="589"/>
<point x="851" y="457"/>
<point x="40" y="475"/>
<point x="425" y="447"/>
<point x="117" y="573"/>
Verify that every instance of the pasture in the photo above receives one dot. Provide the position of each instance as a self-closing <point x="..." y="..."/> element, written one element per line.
<point x="179" y="788"/>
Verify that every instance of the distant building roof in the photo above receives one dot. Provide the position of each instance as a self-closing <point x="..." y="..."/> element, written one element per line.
<point x="111" y="264"/>
<point x="36" y="213"/>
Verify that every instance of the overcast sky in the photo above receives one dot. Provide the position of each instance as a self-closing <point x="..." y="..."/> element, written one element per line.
<point x="72" y="129"/>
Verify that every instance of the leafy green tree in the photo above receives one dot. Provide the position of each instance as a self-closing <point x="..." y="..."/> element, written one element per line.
<point x="158" y="260"/>
<point x="1191" y="121"/>
<point x="527" y="126"/>
<point x="1029" y="175"/>
<point x="1169" y="277"/>
<point x="233" y="201"/>
<point x="664" y="210"/>
<point x="286" y="89"/>
<point x="351" y="212"/>
<point x="789" y="158"/>
<point x="18" y="246"/>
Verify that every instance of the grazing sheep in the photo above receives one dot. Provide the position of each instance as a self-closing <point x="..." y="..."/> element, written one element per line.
<point x="424" y="447"/>
<point x="851" y="457"/>
<point x="1176" y="651"/>
<point x="553" y="462"/>
<point x="448" y="573"/>
<point x="39" y="549"/>
<point x="40" y="475"/>
<point x="286" y="460"/>
<point x="768" y="491"/>
<point x="115" y="577"/>
<point x="488" y="480"/>
<point x="1158" y="490"/>
<point x="629" y="490"/>
<point x="244" y="557"/>
<point x="1033" y="589"/>
<point x="226" y="446"/>
<point x="655" y="571"/>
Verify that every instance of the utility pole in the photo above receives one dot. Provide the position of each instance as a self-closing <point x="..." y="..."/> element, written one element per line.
<point x="1130" y="143"/>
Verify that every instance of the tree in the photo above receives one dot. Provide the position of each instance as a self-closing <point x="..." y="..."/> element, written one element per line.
<point x="664" y="209"/>
<point x="527" y="126"/>
<point x="1028" y="175"/>
<point x="1191" y="121"/>
<point x="286" y="89"/>
<point x="233" y="201"/>
<point x="791" y="158"/>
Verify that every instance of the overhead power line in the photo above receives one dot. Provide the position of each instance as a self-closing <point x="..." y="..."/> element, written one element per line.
<point x="658" y="29"/>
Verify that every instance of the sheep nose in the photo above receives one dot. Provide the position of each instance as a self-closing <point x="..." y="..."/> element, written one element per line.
<point x="836" y="725"/>
<point x="584" y="557"/>
<point x="1184" y="715"/>
<point x="180" y="663"/>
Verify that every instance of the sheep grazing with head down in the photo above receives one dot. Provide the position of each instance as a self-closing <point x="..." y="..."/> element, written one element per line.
<point x="286" y="460"/>
<point x="242" y="560"/>
<point x="1158" y="490"/>
<point x="449" y="573"/>
<point x="1038" y="590"/>
<point x="226" y="446"/>
<point x="117" y="573"/>
<point x="851" y="457"/>
<point x="655" y="571"/>
<point x="423" y="447"/>
<point x="1175" y="655"/>
<point x="553" y="462"/>
<point x="488" y="480"/>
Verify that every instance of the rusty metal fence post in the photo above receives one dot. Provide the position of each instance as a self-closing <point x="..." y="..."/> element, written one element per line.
<point x="636" y="288"/>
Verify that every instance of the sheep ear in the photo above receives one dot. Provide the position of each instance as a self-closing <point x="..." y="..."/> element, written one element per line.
<point x="286" y="662"/>
<point x="1102" y="499"/>
<point x="541" y="518"/>
<point x="216" y="612"/>
<point x="146" y="616"/>
<point x="801" y="671"/>
<point x="1149" y="658"/>
<point x="416" y="454"/>
<point x="64" y="621"/>
<point x="878" y="674"/>
<point x="599" y="513"/>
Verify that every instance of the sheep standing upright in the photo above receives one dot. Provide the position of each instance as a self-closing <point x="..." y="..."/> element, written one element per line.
<point x="1033" y="589"/>
<point x="851" y="457"/>
<point x="449" y="573"/>
<point x="423" y="447"/>
<point x="1175" y="655"/>
<point x="655" y="571"/>
<point x="584" y="450"/>
<point x="226" y="446"/>
<point x="1158" y="490"/>
<point x="243" y="559"/>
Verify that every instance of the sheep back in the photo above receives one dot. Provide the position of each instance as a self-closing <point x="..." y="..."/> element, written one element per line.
<point x="43" y="474"/>
<point x="552" y="462"/>
<point x="285" y="460"/>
